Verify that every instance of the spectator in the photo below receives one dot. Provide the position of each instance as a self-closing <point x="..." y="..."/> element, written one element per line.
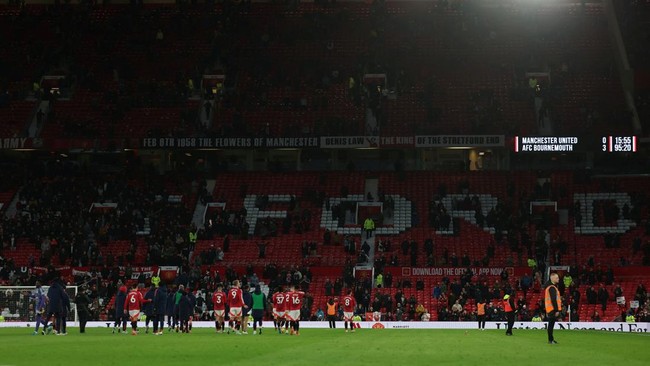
<point x="369" y="227"/>
<point x="603" y="296"/>
<point x="592" y="296"/>
<point x="595" y="317"/>
<point x="456" y="309"/>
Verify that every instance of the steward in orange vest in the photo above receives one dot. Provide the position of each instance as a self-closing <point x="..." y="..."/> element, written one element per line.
<point x="480" y="313"/>
<point x="509" y="308"/>
<point x="332" y="306"/>
<point x="552" y="305"/>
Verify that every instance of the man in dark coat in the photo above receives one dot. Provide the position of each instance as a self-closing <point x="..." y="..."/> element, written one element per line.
<point x="54" y="307"/>
<point x="63" y="316"/>
<point x="120" y="318"/>
<point x="159" y="308"/>
<point x="248" y="300"/>
<point x="83" y="309"/>
<point x="148" y="307"/>
<point x="184" y="310"/>
<point x="170" y="309"/>
<point x="192" y="300"/>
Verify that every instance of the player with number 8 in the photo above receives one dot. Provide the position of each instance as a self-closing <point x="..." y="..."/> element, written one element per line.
<point x="349" y="304"/>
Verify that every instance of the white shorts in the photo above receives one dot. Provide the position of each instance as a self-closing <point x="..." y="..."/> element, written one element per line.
<point x="219" y="313"/>
<point x="279" y="314"/>
<point x="235" y="312"/>
<point x="348" y="316"/>
<point x="134" y="315"/>
<point x="293" y="315"/>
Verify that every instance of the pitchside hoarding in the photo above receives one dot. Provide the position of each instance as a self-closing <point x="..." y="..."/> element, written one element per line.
<point x="560" y="326"/>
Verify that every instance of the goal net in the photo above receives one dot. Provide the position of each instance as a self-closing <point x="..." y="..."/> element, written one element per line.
<point x="17" y="303"/>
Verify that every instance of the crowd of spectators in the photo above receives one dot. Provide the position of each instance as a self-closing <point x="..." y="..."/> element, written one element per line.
<point x="54" y="216"/>
<point x="56" y="213"/>
<point x="225" y="222"/>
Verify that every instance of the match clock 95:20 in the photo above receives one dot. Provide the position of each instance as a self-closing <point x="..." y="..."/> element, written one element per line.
<point x="619" y="144"/>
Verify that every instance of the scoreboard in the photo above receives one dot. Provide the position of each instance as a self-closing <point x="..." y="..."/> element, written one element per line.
<point x="619" y="143"/>
<point x="566" y="144"/>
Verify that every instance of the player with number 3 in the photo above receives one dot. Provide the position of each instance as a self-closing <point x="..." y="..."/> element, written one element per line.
<point x="219" y="306"/>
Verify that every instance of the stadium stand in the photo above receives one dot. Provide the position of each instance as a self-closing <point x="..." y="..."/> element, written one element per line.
<point x="301" y="69"/>
<point x="632" y="18"/>
<point x="449" y="72"/>
<point x="302" y="197"/>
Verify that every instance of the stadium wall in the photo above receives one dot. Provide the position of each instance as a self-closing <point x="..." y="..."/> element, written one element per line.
<point x="603" y="326"/>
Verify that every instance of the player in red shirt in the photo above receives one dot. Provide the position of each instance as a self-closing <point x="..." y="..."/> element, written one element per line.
<point x="219" y="305"/>
<point x="132" y="305"/>
<point x="287" y="298"/>
<point x="236" y="302"/>
<point x="279" y="309"/>
<point x="293" y="309"/>
<point x="349" y="304"/>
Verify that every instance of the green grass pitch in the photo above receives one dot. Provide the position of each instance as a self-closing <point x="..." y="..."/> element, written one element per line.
<point x="325" y="347"/>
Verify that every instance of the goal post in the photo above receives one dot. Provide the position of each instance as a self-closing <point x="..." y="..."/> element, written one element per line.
<point x="17" y="303"/>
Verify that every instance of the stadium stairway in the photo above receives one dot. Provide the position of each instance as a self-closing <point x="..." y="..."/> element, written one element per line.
<point x="8" y="201"/>
<point x="198" y="218"/>
<point x="371" y="253"/>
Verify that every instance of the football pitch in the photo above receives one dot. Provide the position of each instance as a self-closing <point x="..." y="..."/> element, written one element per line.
<point x="325" y="347"/>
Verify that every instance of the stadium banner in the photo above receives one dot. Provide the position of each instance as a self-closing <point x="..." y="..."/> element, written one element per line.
<point x="64" y="271"/>
<point x="448" y="271"/>
<point x="81" y="271"/>
<point x="137" y="271"/>
<point x="228" y="142"/>
<point x="460" y="141"/>
<point x="135" y="274"/>
<point x="560" y="326"/>
<point x="326" y="142"/>
<point x="397" y="141"/>
<point x="342" y="142"/>
<point x="7" y="143"/>
<point x="168" y="273"/>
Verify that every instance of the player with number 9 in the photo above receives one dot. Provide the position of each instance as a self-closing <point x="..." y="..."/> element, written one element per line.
<point x="236" y="302"/>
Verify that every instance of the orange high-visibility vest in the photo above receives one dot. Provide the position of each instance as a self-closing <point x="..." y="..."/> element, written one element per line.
<point x="506" y="306"/>
<point x="331" y="309"/>
<point x="548" y="304"/>
<point x="481" y="309"/>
